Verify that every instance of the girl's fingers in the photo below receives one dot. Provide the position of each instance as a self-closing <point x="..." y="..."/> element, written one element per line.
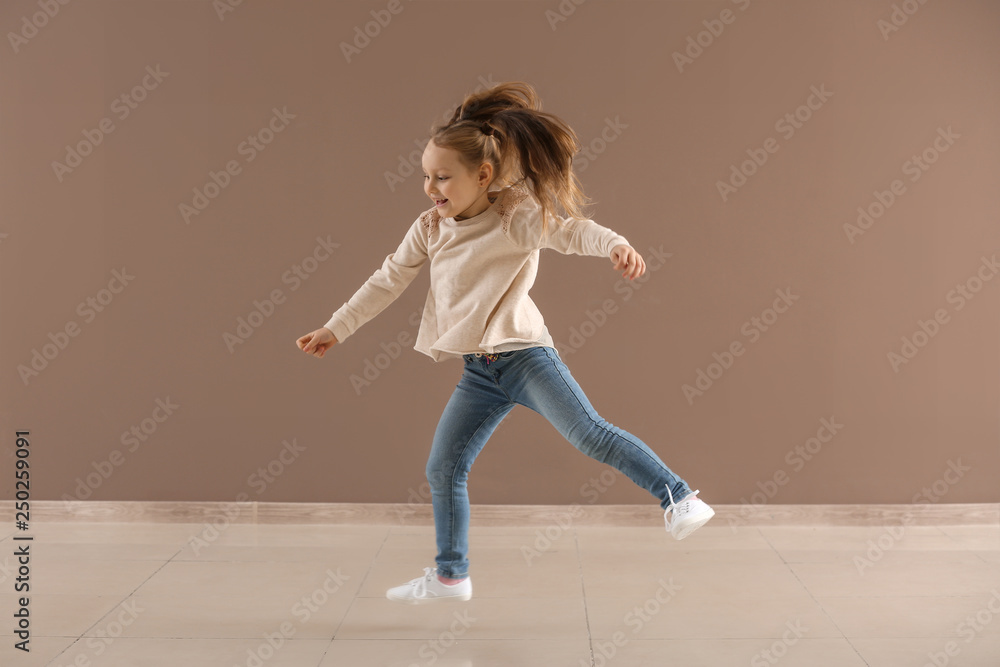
<point x="631" y="264"/>
<point x="640" y="266"/>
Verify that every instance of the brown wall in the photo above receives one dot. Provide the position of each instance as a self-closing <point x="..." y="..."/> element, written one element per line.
<point x="892" y="99"/>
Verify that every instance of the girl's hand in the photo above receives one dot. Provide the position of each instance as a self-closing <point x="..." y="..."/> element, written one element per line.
<point x="317" y="342"/>
<point x="626" y="257"/>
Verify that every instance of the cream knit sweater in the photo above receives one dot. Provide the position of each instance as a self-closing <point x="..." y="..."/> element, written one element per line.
<point x="481" y="271"/>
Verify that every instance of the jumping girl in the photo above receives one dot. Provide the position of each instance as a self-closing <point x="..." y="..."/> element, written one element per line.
<point x="496" y="172"/>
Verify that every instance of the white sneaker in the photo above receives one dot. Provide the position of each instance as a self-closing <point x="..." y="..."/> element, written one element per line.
<point x="429" y="588"/>
<point x="688" y="516"/>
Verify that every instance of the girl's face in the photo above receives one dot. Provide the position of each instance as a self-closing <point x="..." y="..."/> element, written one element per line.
<point x="456" y="191"/>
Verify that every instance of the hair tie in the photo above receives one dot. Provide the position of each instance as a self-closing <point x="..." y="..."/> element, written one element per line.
<point x="487" y="129"/>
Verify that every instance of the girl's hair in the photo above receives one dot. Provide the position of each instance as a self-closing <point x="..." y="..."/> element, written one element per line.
<point x="506" y="127"/>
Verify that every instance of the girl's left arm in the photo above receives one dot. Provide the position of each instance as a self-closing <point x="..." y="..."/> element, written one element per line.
<point x="575" y="236"/>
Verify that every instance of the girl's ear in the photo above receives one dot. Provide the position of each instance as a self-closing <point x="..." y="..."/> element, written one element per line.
<point x="485" y="174"/>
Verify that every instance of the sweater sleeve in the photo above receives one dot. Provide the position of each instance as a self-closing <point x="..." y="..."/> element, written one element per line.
<point x="570" y="236"/>
<point x="397" y="272"/>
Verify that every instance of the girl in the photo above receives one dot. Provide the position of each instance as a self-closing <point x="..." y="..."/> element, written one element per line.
<point x="483" y="245"/>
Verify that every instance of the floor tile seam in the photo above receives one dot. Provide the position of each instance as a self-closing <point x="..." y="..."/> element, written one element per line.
<point x="364" y="579"/>
<point x="583" y="593"/>
<point x="857" y="651"/>
<point x="822" y="608"/>
<point x="119" y="604"/>
<point x="56" y="656"/>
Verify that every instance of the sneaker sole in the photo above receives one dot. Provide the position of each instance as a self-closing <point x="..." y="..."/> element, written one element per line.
<point x="694" y="525"/>
<point x="463" y="598"/>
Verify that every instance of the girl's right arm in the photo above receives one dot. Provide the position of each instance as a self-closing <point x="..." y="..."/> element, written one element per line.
<point x="397" y="272"/>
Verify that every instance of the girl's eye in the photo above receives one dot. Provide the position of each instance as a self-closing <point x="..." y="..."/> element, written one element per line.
<point x="440" y="178"/>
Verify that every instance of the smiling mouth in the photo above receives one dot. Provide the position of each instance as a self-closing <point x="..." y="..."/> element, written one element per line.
<point x="440" y="202"/>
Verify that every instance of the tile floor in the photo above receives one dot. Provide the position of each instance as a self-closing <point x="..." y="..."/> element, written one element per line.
<point x="152" y="595"/>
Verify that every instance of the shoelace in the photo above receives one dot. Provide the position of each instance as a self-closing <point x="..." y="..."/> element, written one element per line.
<point x="674" y="508"/>
<point x="420" y="584"/>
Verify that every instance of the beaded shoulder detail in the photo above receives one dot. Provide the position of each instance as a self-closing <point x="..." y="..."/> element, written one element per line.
<point x="512" y="198"/>
<point x="430" y="219"/>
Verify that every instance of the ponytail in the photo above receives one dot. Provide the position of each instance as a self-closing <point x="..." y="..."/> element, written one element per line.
<point x="506" y="127"/>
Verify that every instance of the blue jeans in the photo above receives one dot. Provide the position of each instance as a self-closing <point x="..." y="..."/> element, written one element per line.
<point x="490" y="387"/>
